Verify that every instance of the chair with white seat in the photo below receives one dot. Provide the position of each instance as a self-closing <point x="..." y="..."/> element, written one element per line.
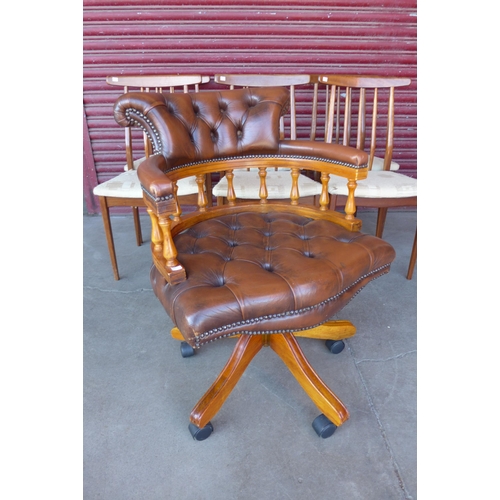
<point x="246" y="182"/>
<point x="124" y="190"/>
<point x="361" y="110"/>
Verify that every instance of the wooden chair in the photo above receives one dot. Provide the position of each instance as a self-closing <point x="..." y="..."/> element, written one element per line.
<point x="361" y="112"/>
<point x="124" y="190"/>
<point x="246" y="182"/>
<point x="262" y="272"/>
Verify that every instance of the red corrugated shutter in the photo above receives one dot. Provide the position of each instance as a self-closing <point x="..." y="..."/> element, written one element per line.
<point x="129" y="37"/>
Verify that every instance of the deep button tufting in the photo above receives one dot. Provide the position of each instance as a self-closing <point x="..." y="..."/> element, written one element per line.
<point x="252" y="101"/>
<point x="242" y="290"/>
<point x="239" y="133"/>
<point x="214" y="135"/>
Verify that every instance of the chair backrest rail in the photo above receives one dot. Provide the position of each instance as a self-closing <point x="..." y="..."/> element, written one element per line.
<point x="341" y="103"/>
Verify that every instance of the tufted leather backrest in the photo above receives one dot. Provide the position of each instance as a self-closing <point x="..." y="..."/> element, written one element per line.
<point x="202" y="126"/>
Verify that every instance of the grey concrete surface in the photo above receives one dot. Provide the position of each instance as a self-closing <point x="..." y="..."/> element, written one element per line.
<point x="139" y="391"/>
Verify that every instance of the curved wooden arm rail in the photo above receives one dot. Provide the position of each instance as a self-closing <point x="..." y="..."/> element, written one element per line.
<point x="265" y="270"/>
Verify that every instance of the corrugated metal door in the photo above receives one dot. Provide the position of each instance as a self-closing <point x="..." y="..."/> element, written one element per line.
<point x="133" y="37"/>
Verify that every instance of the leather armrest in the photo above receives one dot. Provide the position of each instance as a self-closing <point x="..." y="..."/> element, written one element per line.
<point x="335" y="152"/>
<point x="153" y="179"/>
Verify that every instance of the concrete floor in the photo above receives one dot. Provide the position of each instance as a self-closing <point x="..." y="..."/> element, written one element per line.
<point x="139" y="391"/>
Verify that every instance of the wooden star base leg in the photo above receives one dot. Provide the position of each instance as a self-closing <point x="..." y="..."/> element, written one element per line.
<point x="288" y="349"/>
<point x="208" y="406"/>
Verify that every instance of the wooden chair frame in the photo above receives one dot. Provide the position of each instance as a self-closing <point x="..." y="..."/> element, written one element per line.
<point x="159" y="175"/>
<point x="341" y="125"/>
<point x="145" y="83"/>
<point x="166" y="224"/>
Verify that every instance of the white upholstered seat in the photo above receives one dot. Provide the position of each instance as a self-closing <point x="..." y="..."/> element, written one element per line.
<point x="378" y="184"/>
<point x="279" y="184"/>
<point x="124" y="190"/>
<point x="127" y="185"/>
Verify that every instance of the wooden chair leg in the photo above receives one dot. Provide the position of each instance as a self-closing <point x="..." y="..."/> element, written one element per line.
<point x="137" y="224"/>
<point x="208" y="406"/>
<point x="382" y="214"/>
<point x="287" y="348"/>
<point x="109" y="235"/>
<point x="413" y="258"/>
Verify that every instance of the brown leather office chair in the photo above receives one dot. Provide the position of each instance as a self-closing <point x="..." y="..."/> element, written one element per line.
<point x="124" y="190"/>
<point x="360" y="111"/>
<point x="264" y="271"/>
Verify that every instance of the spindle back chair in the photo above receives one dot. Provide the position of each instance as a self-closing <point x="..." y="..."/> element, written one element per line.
<point x="246" y="182"/>
<point x="124" y="190"/>
<point x="361" y="112"/>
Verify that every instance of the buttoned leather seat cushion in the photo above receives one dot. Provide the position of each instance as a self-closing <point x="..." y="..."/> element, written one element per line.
<point x="257" y="273"/>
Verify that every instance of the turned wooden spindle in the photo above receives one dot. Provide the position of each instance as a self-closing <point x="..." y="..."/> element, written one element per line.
<point x="324" y="199"/>
<point x="156" y="234"/>
<point x="202" y="197"/>
<point x="390" y="131"/>
<point x="178" y="211"/>
<point x="231" y="195"/>
<point x="263" y="186"/>
<point x="294" y="193"/>
<point x="169" y="250"/>
<point x="350" y="204"/>
<point x="373" y="143"/>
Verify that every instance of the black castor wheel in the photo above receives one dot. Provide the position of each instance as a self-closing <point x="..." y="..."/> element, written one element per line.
<point x="201" y="434"/>
<point x="335" y="346"/>
<point x="323" y="426"/>
<point x="186" y="350"/>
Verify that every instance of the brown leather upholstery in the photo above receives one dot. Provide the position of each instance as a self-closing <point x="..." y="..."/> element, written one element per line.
<point x="225" y="124"/>
<point x="262" y="270"/>
<point x="211" y="124"/>
<point x="249" y="272"/>
<point x="266" y="273"/>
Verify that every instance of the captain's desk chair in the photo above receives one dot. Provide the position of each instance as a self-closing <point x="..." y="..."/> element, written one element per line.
<point x="265" y="271"/>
